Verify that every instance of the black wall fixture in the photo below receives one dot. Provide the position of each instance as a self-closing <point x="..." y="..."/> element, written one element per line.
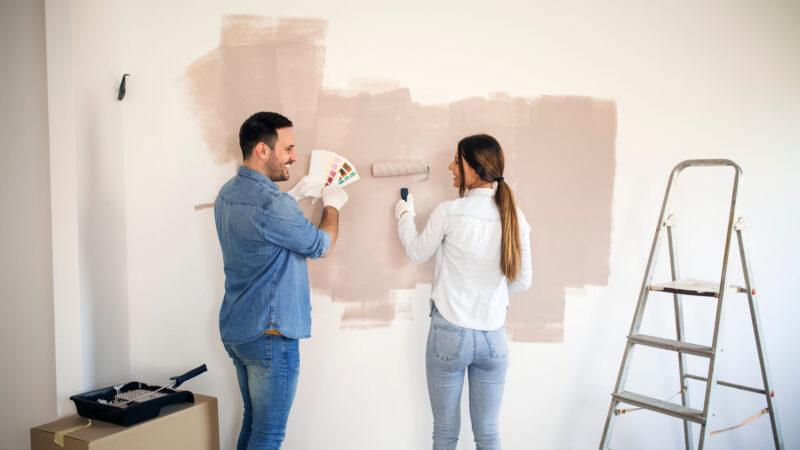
<point x="121" y="93"/>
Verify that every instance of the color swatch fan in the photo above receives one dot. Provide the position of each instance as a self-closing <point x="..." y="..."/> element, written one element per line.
<point x="328" y="167"/>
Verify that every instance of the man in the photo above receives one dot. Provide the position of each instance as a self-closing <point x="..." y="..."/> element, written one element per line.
<point x="265" y="241"/>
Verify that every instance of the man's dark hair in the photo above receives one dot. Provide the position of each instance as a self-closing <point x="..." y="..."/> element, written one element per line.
<point x="261" y="127"/>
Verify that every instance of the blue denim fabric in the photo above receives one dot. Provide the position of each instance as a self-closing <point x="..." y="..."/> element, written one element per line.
<point x="483" y="355"/>
<point x="267" y="369"/>
<point x="265" y="241"/>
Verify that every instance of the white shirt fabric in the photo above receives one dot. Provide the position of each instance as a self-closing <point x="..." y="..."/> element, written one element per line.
<point x="469" y="289"/>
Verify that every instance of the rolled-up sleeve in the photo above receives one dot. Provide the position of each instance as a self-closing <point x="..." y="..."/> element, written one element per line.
<point x="286" y="226"/>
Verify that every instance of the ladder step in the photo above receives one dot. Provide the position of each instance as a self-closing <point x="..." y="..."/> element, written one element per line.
<point x="670" y="344"/>
<point x="693" y="287"/>
<point x="660" y="406"/>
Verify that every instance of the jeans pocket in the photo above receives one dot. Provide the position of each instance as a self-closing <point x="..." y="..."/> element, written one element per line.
<point x="497" y="342"/>
<point x="447" y="342"/>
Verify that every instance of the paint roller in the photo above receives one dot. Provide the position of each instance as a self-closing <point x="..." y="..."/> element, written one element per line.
<point x="400" y="169"/>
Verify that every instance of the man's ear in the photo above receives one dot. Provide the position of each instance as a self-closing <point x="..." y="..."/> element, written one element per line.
<point x="262" y="151"/>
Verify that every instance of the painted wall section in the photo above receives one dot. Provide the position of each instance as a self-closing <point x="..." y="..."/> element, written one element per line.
<point x="559" y="150"/>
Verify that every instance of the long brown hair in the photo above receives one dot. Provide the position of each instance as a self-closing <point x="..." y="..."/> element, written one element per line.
<point x="484" y="154"/>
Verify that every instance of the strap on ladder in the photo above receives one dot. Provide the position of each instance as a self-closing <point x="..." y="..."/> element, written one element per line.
<point x="744" y="423"/>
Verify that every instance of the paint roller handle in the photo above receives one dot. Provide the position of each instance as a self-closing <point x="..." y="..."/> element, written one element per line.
<point x="180" y="379"/>
<point x="404" y="205"/>
<point x="404" y="194"/>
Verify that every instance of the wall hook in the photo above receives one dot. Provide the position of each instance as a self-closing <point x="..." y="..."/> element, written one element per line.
<point x="121" y="93"/>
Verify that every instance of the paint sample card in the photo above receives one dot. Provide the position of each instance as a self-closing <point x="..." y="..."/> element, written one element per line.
<point x="328" y="167"/>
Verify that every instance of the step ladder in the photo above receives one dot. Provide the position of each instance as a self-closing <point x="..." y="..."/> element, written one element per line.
<point x="679" y="287"/>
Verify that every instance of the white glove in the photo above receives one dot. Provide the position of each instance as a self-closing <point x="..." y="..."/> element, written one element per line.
<point x="334" y="196"/>
<point x="404" y="206"/>
<point x="306" y="187"/>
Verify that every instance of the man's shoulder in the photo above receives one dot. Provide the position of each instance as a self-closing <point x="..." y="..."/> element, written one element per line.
<point x="244" y="191"/>
<point x="282" y="206"/>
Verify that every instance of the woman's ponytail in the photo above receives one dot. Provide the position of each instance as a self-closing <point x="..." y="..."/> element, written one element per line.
<point x="509" y="244"/>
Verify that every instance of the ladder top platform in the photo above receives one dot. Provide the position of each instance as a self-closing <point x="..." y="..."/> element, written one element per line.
<point x="693" y="287"/>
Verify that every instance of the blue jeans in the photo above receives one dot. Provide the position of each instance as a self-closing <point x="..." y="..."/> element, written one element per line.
<point x="267" y="369"/>
<point x="451" y="351"/>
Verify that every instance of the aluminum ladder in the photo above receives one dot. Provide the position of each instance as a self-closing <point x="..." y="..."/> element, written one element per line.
<point x="679" y="287"/>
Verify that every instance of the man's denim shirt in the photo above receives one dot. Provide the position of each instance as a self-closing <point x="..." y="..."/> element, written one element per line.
<point x="265" y="241"/>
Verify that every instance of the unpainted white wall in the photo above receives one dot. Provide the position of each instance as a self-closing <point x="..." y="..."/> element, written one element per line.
<point x="100" y="143"/>
<point x="27" y="356"/>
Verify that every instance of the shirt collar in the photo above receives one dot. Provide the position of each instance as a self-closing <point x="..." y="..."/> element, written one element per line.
<point x="481" y="192"/>
<point x="259" y="177"/>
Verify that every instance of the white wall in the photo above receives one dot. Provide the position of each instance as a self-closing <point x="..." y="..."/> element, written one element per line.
<point x="712" y="80"/>
<point x="27" y="368"/>
<point x="100" y="140"/>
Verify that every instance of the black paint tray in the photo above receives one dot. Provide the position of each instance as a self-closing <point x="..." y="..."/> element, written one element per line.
<point x="133" y="402"/>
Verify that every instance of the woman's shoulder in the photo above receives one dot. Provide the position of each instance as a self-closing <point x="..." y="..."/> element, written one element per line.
<point x="453" y="206"/>
<point x="448" y="205"/>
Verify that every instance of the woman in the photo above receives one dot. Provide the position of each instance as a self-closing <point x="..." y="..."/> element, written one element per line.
<point x="482" y="247"/>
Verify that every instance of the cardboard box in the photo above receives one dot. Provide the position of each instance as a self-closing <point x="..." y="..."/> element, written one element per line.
<point x="192" y="426"/>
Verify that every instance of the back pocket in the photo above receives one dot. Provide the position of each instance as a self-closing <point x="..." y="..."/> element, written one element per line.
<point x="447" y="342"/>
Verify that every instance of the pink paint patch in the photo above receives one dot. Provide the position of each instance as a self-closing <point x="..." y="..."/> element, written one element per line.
<point x="559" y="161"/>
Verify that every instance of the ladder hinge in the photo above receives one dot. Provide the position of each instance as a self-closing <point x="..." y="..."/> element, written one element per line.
<point x="670" y="220"/>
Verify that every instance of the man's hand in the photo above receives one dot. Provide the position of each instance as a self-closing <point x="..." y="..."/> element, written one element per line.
<point x="404" y="207"/>
<point x="306" y="187"/>
<point x="334" y="196"/>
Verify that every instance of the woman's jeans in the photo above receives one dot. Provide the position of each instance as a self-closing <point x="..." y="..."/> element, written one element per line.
<point x="484" y="355"/>
<point x="267" y="369"/>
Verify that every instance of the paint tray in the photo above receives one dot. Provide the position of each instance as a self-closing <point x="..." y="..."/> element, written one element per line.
<point x="133" y="402"/>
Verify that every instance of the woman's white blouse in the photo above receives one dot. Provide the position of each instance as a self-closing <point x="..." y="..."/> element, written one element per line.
<point x="469" y="289"/>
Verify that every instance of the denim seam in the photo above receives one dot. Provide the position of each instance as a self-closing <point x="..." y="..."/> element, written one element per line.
<point x="269" y="354"/>
<point x="273" y="286"/>
<point x="263" y="224"/>
<point x="285" y="376"/>
<point x="449" y="330"/>
<point x="252" y="205"/>
<point x="231" y="202"/>
<point x="474" y="346"/>
<point x="492" y="351"/>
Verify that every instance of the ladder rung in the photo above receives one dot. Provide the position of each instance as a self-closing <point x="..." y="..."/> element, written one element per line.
<point x="693" y="287"/>
<point x="660" y="406"/>
<point x="670" y="344"/>
<point x="727" y="384"/>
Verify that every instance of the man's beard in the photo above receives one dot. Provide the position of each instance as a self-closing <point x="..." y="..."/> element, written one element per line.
<point x="279" y="173"/>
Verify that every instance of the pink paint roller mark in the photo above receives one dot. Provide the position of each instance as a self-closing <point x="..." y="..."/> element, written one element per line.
<point x="559" y="161"/>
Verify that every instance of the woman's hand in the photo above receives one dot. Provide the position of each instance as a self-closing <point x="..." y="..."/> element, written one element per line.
<point x="404" y="207"/>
